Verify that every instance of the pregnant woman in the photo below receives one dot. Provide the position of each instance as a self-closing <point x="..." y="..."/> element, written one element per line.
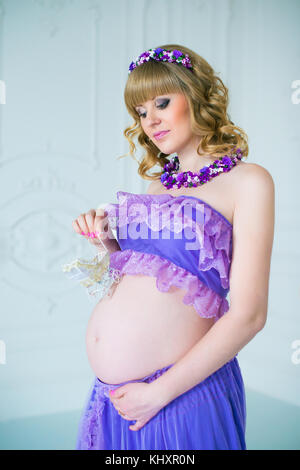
<point x="163" y="343"/>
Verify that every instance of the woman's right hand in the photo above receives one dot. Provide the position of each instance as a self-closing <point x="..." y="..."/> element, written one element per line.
<point x="93" y="221"/>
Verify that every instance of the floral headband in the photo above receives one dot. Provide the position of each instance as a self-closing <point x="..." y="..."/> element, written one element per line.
<point x="162" y="55"/>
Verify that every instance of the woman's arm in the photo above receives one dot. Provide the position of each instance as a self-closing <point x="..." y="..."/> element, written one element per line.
<point x="253" y="233"/>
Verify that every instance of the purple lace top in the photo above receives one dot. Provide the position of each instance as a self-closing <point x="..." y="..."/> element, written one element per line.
<point x="179" y="240"/>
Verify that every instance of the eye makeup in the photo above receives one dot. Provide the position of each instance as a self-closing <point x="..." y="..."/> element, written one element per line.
<point x="164" y="103"/>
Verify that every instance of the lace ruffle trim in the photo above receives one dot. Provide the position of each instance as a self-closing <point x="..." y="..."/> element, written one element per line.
<point x="213" y="231"/>
<point x="206" y="302"/>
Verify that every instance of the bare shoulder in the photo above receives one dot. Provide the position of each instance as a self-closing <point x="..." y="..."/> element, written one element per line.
<point x="254" y="197"/>
<point x="253" y="171"/>
<point x="252" y="178"/>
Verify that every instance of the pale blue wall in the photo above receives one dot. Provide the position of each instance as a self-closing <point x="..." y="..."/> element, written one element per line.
<point x="61" y="131"/>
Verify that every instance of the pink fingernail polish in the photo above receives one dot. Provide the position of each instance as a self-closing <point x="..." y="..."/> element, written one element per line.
<point x="82" y="233"/>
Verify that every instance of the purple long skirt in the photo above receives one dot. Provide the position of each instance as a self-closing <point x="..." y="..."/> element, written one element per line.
<point x="209" y="416"/>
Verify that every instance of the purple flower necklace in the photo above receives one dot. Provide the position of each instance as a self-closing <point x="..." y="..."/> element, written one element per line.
<point x="170" y="177"/>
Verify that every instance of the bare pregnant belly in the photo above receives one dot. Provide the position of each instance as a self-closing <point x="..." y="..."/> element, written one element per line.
<point x="140" y="329"/>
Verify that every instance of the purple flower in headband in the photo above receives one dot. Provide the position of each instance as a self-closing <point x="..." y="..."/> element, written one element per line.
<point x="160" y="54"/>
<point x="177" y="53"/>
<point x="132" y="66"/>
<point x="145" y="54"/>
<point x="186" y="63"/>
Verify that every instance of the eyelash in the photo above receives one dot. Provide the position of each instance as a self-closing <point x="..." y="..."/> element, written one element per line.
<point x="161" y="106"/>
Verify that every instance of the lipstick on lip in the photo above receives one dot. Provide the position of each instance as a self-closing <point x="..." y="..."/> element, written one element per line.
<point x="159" y="135"/>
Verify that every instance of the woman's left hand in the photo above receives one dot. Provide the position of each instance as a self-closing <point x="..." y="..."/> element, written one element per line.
<point x="136" y="401"/>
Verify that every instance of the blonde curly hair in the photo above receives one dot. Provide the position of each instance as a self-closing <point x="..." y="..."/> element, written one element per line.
<point x="207" y="97"/>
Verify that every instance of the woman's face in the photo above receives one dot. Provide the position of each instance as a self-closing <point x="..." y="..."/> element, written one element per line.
<point x="171" y="113"/>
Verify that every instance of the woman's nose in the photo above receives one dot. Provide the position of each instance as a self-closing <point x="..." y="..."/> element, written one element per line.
<point x="152" y="117"/>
